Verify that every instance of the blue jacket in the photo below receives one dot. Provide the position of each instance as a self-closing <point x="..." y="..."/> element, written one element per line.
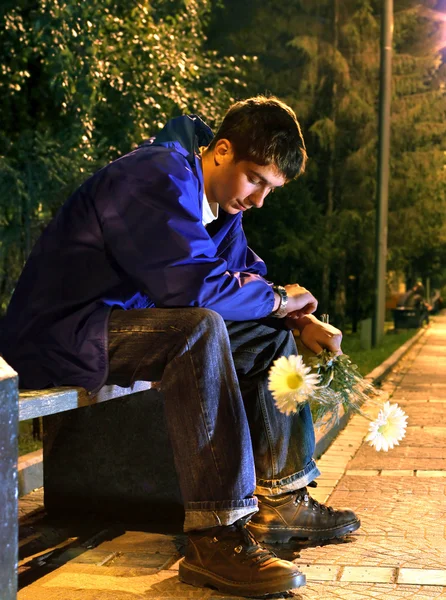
<point x="131" y="236"/>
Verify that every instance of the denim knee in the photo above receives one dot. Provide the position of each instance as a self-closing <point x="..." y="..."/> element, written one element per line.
<point x="207" y="318"/>
<point x="203" y="321"/>
<point x="202" y="329"/>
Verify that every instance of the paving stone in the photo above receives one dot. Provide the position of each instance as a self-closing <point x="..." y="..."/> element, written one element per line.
<point x="336" y="460"/>
<point x="391" y="462"/>
<point x="394" y="506"/>
<point x="397" y="473"/>
<point x="146" y="560"/>
<point x="320" y="572"/>
<point x="326" y="481"/>
<point x="154" y="560"/>
<point x="423" y="414"/>
<point x="142" y="541"/>
<point x="424" y="437"/>
<point x="363" y="472"/>
<point x="333" y="470"/>
<point x="422" y="576"/>
<point x="368" y="591"/>
<point x="175" y="566"/>
<point x="374" y="551"/>
<point x="30" y="503"/>
<point x="368" y="574"/>
<point x="81" y="555"/>
<point x="321" y="494"/>
<point x="405" y="458"/>
<point x="408" y="396"/>
<point x="340" y="450"/>
<point x="119" y="582"/>
<point x="423" y="383"/>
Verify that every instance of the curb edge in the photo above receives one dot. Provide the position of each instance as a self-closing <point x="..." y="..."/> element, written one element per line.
<point x="324" y="437"/>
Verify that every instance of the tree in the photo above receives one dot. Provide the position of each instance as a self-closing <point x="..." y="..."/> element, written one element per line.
<point x="83" y="82"/>
<point x="323" y="59"/>
<point x="417" y="217"/>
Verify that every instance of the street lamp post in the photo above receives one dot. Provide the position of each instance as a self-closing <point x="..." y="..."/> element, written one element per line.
<point x="383" y="169"/>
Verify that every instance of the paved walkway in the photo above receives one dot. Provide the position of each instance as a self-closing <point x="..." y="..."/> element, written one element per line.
<point x="399" y="552"/>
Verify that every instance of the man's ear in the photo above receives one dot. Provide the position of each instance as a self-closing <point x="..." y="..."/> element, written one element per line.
<point x="223" y="152"/>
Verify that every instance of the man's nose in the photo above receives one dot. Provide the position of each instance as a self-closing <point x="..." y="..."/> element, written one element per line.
<point x="257" y="198"/>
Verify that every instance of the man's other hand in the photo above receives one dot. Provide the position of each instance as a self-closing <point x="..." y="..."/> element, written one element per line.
<point x="314" y="334"/>
<point x="300" y="300"/>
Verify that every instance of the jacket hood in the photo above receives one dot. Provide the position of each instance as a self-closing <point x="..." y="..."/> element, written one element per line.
<point x="189" y="132"/>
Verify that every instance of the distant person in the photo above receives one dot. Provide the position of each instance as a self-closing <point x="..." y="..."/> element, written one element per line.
<point x="437" y="303"/>
<point x="145" y="273"/>
<point x="415" y="298"/>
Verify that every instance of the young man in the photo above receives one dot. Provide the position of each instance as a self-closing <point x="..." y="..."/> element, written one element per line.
<point x="145" y="274"/>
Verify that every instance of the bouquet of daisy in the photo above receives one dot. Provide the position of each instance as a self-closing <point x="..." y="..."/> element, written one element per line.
<point x="330" y="382"/>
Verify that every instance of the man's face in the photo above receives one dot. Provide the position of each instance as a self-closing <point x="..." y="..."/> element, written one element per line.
<point x="239" y="186"/>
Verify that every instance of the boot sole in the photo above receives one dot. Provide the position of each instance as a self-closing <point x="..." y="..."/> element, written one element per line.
<point x="284" y="535"/>
<point x="201" y="578"/>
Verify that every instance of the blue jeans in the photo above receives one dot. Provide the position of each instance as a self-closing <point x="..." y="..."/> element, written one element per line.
<point x="229" y="440"/>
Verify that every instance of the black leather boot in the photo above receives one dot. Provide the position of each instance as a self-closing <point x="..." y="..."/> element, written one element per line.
<point x="229" y="559"/>
<point x="297" y="515"/>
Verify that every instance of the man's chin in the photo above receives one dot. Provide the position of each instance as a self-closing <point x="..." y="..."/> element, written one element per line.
<point x="232" y="210"/>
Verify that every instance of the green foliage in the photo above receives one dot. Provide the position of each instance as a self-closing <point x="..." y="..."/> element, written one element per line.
<point x="323" y="59"/>
<point x="26" y="441"/>
<point x="367" y="360"/>
<point x="83" y="82"/>
<point x="417" y="224"/>
<point x="328" y="73"/>
<point x="285" y="232"/>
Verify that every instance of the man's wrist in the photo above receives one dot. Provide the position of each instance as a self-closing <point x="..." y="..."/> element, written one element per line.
<point x="303" y="321"/>
<point x="280" y="310"/>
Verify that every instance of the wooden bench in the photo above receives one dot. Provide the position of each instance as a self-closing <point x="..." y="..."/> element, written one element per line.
<point x="41" y="403"/>
<point x="96" y="460"/>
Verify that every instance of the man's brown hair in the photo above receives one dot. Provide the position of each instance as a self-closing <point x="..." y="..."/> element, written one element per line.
<point x="265" y="130"/>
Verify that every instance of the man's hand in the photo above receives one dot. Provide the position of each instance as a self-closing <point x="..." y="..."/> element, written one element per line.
<point x="300" y="301"/>
<point x="314" y="334"/>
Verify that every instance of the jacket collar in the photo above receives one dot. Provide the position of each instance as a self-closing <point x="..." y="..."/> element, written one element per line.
<point x="186" y="134"/>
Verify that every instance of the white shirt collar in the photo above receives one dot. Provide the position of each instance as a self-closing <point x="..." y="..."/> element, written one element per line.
<point x="210" y="211"/>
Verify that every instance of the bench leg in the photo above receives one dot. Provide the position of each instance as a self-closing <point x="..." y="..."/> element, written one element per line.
<point x="9" y="417"/>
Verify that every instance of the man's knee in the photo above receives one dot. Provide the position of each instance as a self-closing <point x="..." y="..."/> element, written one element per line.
<point x="203" y="321"/>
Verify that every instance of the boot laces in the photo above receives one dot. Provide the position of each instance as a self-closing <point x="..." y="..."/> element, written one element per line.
<point x="303" y="494"/>
<point x="253" y="550"/>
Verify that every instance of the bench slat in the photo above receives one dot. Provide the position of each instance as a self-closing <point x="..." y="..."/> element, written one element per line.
<point x="40" y="403"/>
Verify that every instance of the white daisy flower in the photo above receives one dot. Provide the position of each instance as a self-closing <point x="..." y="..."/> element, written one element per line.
<point x="388" y="429"/>
<point x="291" y="383"/>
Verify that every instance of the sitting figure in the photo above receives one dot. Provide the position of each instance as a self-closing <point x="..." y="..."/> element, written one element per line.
<point x="415" y="299"/>
<point x="145" y="274"/>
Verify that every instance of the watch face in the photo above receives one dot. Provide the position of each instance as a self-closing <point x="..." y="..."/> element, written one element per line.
<point x="282" y="292"/>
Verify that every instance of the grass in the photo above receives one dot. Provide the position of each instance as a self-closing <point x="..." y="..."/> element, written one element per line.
<point x="26" y="441"/>
<point x="367" y="360"/>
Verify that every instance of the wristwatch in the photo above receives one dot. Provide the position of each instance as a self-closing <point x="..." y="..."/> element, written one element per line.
<point x="281" y="311"/>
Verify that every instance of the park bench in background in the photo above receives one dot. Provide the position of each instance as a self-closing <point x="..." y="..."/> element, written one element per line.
<point x="112" y="458"/>
<point x="410" y="317"/>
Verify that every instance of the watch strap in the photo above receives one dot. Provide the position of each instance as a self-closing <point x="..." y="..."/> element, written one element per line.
<point x="282" y="310"/>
